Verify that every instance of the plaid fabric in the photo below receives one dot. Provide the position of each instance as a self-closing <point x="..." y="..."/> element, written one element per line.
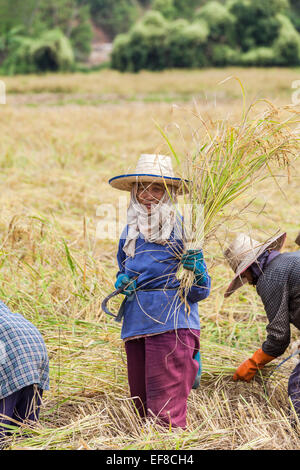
<point x="23" y="354"/>
<point x="279" y="289"/>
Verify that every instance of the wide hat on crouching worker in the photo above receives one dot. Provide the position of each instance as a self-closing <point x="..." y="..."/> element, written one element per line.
<point x="243" y="252"/>
<point x="150" y="168"/>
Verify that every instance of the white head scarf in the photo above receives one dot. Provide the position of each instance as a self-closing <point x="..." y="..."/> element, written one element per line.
<point x="156" y="226"/>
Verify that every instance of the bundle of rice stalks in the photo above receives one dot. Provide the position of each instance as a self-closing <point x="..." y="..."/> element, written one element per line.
<point x="225" y="161"/>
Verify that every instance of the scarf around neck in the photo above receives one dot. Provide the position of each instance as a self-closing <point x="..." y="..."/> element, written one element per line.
<point x="156" y="227"/>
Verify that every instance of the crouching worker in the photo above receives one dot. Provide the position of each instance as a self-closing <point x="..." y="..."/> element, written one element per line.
<point x="161" y="337"/>
<point x="24" y="371"/>
<point x="276" y="277"/>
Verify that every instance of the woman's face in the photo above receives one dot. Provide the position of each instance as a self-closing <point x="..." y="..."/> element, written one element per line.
<point x="150" y="193"/>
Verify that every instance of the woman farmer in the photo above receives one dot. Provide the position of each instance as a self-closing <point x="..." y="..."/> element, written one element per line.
<point x="276" y="277"/>
<point x="161" y="337"/>
<point x="24" y="370"/>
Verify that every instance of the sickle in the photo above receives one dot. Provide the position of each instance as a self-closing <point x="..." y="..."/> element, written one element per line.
<point x="284" y="360"/>
<point x="105" y="302"/>
<point x="104" y="307"/>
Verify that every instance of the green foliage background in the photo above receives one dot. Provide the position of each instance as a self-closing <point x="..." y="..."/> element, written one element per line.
<point x="237" y="32"/>
<point x="56" y="35"/>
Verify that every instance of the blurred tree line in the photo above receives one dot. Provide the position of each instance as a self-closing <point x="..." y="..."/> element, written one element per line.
<point x="235" y="32"/>
<point x="41" y="35"/>
<point x="38" y="35"/>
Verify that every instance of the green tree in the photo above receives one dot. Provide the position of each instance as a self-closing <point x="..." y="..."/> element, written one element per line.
<point x="71" y="17"/>
<point x="81" y="34"/>
<point x="186" y="8"/>
<point x="294" y="13"/>
<point x="22" y="13"/>
<point x="287" y="45"/>
<point x="35" y="17"/>
<point x="166" y="8"/>
<point x="256" y="22"/>
<point x="187" y="44"/>
<point x="144" y="47"/>
<point x="220" y="21"/>
<point x="175" y="9"/>
<point x="237" y="32"/>
<point x="155" y="43"/>
<point x="114" y="16"/>
<point x="51" y="51"/>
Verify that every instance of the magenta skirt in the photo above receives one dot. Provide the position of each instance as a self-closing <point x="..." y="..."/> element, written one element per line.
<point x="161" y="372"/>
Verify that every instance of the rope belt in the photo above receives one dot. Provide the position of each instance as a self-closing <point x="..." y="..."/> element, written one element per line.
<point x="120" y="314"/>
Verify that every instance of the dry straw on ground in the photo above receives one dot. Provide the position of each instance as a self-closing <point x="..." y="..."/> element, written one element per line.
<point x="56" y="159"/>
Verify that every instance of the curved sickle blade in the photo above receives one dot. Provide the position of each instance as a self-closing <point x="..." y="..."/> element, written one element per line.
<point x="106" y="300"/>
<point x="118" y="317"/>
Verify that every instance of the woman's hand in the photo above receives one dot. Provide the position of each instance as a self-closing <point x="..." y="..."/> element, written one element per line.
<point x="193" y="261"/>
<point x="247" y="370"/>
<point x="128" y="283"/>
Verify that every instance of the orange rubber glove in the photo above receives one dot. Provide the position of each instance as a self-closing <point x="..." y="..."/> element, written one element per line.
<point x="247" y="370"/>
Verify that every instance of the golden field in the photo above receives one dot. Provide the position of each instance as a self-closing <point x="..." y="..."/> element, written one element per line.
<point x="62" y="138"/>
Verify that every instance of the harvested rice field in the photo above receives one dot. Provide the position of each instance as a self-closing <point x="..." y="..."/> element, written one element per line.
<point x="62" y="138"/>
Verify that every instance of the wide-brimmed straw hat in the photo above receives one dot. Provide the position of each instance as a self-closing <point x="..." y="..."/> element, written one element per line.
<point x="243" y="252"/>
<point x="150" y="168"/>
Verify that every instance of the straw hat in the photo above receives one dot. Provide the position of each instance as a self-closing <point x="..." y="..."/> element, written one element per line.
<point x="243" y="252"/>
<point x="150" y="168"/>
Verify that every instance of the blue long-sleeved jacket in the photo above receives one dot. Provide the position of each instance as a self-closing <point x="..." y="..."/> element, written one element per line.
<point x="156" y="306"/>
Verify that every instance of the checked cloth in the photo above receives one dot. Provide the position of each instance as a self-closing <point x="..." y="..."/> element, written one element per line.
<point x="23" y="355"/>
<point x="279" y="289"/>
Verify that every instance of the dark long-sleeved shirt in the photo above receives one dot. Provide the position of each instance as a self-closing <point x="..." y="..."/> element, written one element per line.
<point x="279" y="289"/>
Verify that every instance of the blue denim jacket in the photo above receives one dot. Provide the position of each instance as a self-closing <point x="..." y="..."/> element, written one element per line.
<point x="156" y="305"/>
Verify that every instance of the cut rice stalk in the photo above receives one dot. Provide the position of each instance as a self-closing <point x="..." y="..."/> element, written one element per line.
<point x="224" y="164"/>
